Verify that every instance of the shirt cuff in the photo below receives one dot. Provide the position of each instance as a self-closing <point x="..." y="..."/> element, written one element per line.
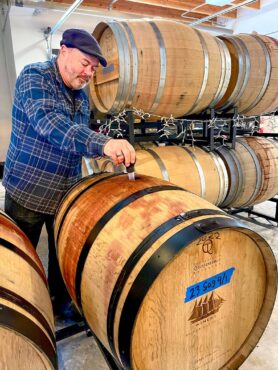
<point x="97" y="144"/>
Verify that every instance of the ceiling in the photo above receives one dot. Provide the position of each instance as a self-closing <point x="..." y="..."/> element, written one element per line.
<point x="187" y="10"/>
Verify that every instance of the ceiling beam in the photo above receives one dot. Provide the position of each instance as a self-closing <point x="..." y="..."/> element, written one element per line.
<point x="154" y="8"/>
<point x="184" y="6"/>
<point x="162" y="11"/>
<point x="189" y="4"/>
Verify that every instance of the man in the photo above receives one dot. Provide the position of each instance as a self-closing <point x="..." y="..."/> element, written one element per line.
<point x="49" y="136"/>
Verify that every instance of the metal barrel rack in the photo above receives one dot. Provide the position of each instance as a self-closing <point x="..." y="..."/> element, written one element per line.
<point x="251" y="211"/>
<point x="82" y="327"/>
<point x="182" y="129"/>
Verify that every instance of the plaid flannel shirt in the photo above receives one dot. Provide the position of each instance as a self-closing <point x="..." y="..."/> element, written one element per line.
<point x="49" y="136"/>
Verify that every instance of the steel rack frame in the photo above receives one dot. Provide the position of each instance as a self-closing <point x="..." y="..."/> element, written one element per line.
<point x="250" y="211"/>
<point x="265" y="134"/>
<point x="205" y="134"/>
<point x="80" y="327"/>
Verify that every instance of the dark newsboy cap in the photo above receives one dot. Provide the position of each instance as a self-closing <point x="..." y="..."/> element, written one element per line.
<point x="82" y="40"/>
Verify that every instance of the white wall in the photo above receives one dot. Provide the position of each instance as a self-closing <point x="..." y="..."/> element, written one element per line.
<point x="28" y="25"/>
<point x="7" y="78"/>
<point x="263" y="21"/>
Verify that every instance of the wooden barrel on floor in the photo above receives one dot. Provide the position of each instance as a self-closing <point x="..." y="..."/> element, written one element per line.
<point x="254" y="74"/>
<point x="162" y="275"/>
<point x="244" y="173"/>
<point x="149" y="71"/>
<point x="194" y="169"/>
<point x="26" y="317"/>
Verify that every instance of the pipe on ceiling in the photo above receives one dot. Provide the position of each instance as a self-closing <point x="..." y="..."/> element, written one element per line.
<point x="112" y="2"/>
<point x="221" y="12"/>
<point x="70" y="10"/>
<point x="53" y="29"/>
<point x="192" y="10"/>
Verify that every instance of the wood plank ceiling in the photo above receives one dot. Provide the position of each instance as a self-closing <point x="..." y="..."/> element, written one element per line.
<point x="186" y="10"/>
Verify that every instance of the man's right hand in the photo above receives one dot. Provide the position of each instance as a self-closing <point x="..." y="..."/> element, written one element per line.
<point x="120" y="151"/>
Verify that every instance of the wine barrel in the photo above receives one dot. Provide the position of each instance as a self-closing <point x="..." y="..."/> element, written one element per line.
<point x="160" y="66"/>
<point x="161" y="275"/>
<point x="274" y="141"/>
<point x="89" y="166"/>
<point x="244" y="173"/>
<point x="195" y="169"/>
<point x="267" y="154"/>
<point x="93" y="166"/>
<point x="254" y="74"/>
<point x="26" y="317"/>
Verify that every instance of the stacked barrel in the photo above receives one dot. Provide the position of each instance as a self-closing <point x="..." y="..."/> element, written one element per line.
<point x="226" y="177"/>
<point x="162" y="67"/>
<point x="166" y="68"/>
<point x="252" y="170"/>
<point x="254" y="79"/>
<point x="195" y="169"/>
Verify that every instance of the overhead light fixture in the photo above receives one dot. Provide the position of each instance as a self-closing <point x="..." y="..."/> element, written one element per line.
<point x="218" y="2"/>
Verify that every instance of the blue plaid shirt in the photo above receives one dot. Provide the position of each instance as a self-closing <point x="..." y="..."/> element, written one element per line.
<point x="49" y="136"/>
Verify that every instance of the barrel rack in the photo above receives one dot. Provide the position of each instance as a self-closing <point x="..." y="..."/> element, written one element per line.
<point x="250" y="211"/>
<point x="155" y="131"/>
<point x="79" y="327"/>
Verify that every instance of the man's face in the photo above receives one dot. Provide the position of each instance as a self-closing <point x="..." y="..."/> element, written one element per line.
<point x="78" y="68"/>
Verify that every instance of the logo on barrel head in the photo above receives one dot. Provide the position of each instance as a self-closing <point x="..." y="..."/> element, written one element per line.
<point x="206" y="242"/>
<point x="205" y="307"/>
<point x="207" y="247"/>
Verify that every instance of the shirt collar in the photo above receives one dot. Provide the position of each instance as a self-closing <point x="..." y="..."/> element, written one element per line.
<point x="59" y="79"/>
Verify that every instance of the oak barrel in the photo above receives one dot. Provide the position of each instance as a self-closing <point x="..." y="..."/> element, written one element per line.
<point x="89" y="166"/>
<point x="161" y="275"/>
<point x="193" y="168"/>
<point x="254" y="74"/>
<point x="160" y="66"/>
<point x="267" y="154"/>
<point x="26" y="317"/>
<point x="244" y="172"/>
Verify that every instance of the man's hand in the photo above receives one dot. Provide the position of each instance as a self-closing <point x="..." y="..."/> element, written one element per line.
<point x="120" y="151"/>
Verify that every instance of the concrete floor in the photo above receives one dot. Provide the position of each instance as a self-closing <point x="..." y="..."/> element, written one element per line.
<point x="80" y="352"/>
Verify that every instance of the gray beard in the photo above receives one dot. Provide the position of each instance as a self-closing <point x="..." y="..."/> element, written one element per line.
<point x="82" y="86"/>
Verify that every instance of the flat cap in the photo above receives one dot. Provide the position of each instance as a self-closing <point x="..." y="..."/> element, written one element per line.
<point x="84" y="41"/>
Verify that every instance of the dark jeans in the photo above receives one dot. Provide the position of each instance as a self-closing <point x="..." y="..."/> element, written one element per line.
<point x="31" y="224"/>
